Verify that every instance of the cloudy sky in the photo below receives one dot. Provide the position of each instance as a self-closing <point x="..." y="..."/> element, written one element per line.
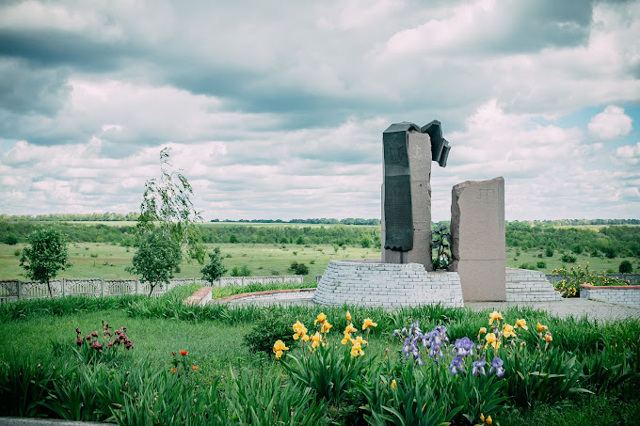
<point x="275" y="109"/>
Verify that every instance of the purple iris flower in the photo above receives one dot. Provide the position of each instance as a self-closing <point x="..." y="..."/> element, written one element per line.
<point x="496" y="367"/>
<point x="463" y="347"/>
<point x="478" y="367"/>
<point x="456" y="365"/>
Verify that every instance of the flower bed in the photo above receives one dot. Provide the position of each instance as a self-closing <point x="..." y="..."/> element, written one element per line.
<point x="621" y="294"/>
<point x="575" y="277"/>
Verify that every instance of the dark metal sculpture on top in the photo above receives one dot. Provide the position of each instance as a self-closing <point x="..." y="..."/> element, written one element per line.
<point x="397" y="180"/>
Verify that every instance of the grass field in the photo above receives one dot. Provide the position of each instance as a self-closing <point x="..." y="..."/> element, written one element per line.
<point x="41" y="374"/>
<point x="596" y="264"/>
<point x="100" y="260"/>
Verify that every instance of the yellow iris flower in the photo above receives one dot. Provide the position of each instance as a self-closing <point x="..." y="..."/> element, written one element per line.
<point x="347" y="338"/>
<point x="547" y="337"/>
<point x="350" y="329"/>
<point x="315" y="340"/>
<point x="368" y="324"/>
<point x="301" y="331"/>
<point x="279" y="347"/>
<point x="541" y="328"/>
<point x="348" y="316"/>
<point x="491" y="340"/>
<point x="495" y="316"/>
<point x="321" y="318"/>
<point x="361" y="340"/>
<point x="356" y="349"/>
<point x="394" y="385"/>
<point x="325" y="327"/>
<point x="482" y="330"/>
<point x="522" y="324"/>
<point x="508" y="330"/>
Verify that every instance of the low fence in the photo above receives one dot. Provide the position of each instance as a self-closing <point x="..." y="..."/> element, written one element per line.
<point x="623" y="295"/>
<point x="634" y="279"/>
<point x="98" y="287"/>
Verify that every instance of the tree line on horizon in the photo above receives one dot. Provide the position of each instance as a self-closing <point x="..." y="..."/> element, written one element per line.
<point x="609" y="241"/>
<point x="133" y="216"/>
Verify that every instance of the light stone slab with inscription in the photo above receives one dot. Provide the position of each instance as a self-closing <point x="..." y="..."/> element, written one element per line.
<point x="478" y="239"/>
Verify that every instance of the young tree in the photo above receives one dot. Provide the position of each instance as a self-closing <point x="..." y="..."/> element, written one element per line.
<point x="45" y="257"/>
<point x="214" y="269"/>
<point x="166" y="207"/>
<point x="166" y="229"/>
<point x="156" y="259"/>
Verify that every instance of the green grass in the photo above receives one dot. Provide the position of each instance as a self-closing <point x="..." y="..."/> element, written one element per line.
<point x="262" y="259"/>
<point x="596" y="264"/>
<point x="43" y="332"/>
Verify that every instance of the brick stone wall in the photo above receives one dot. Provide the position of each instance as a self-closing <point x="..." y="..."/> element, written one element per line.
<point x="524" y="285"/>
<point x="623" y="295"/>
<point x="386" y="285"/>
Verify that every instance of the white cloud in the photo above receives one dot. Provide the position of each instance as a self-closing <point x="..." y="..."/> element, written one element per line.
<point x="610" y="124"/>
<point x="276" y="109"/>
<point x="629" y="154"/>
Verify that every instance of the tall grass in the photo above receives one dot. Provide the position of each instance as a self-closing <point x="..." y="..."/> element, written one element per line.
<point x="231" y="381"/>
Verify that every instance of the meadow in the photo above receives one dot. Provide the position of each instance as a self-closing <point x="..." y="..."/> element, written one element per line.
<point x="587" y="374"/>
<point x="101" y="260"/>
<point x="104" y="260"/>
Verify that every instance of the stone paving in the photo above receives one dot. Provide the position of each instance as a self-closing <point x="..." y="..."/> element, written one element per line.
<point x="576" y="307"/>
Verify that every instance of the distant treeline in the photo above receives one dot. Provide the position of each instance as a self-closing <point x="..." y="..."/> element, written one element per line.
<point x="583" y="222"/>
<point x="121" y="217"/>
<point x="610" y="241"/>
<point x="321" y="221"/>
<point x="68" y="217"/>
<point x="18" y="232"/>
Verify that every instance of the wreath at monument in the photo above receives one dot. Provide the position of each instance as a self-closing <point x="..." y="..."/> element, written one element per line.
<point x="442" y="245"/>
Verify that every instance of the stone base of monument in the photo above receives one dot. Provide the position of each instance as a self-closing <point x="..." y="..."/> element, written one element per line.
<point x="388" y="285"/>
<point x="524" y="285"/>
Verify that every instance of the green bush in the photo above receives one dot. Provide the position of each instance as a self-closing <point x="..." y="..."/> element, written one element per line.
<point x="625" y="267"/>
<point x="541" y="264"/>
<point x="298" y="268"/>
<point x="527" y="266"/>
<point x="268" y="330"/>
<point x="567" y="258"/>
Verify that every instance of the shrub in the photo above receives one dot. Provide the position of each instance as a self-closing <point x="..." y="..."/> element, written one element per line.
<point x="299" y="268"/>
<point x="366" y="242"/>
<point x="243" y="271"/>
<point x="567" y="258"/>
<point x="577" y="249"/>
<point x="548" y="252"/>
<point x="10" y="239"/>
<point x="625" y="267"/>
<point x="268" y="330"/>
<point x="527" y="266"/>
<point x="17" y="252"/>
<point x="541" y="264"/>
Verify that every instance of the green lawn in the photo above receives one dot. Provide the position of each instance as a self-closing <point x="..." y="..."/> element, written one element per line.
<point x="40" y="374"/>
<point x="596" y="264"/>
<point x="101" y="260"/>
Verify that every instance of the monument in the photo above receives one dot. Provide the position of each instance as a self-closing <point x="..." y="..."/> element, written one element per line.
<point x="406" y="190"/>
<point x="402" y="277"/>
<point x="478" y="239"/>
